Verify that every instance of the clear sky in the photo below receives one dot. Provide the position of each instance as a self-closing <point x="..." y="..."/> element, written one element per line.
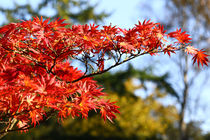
<point x="126" y="13"/>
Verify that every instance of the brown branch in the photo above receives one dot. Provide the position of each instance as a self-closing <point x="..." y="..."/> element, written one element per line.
<point x="115" y="65"/>
<point x="118" y="63"/>
<point x="12" y="122"/>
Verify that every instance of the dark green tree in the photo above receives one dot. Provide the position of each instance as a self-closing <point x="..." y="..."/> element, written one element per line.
<point x="206" y="136"/>
<point x="76" y="11"/>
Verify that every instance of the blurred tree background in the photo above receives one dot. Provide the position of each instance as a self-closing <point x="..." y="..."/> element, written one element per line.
<point x="194" y="17"/>
<point x="142" y="117"/>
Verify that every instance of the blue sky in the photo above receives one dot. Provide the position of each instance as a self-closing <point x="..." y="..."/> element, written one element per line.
<point x="126" y="13"/>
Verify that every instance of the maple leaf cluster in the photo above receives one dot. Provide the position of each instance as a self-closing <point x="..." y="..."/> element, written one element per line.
<point x="37" y="79"/>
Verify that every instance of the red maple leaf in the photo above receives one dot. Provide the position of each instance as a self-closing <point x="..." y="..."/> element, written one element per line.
<point x="182" y="37"/>
<point x="201" y="58"/>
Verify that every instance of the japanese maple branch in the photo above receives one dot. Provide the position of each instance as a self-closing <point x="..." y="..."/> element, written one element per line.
<point x="119" y="63"/>
<point x="94" y="73"/>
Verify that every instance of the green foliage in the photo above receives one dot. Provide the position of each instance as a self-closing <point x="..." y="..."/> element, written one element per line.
<point x="206" y="136"/>
<point x="117" y="80"/>
<point x="76" y="11"/>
